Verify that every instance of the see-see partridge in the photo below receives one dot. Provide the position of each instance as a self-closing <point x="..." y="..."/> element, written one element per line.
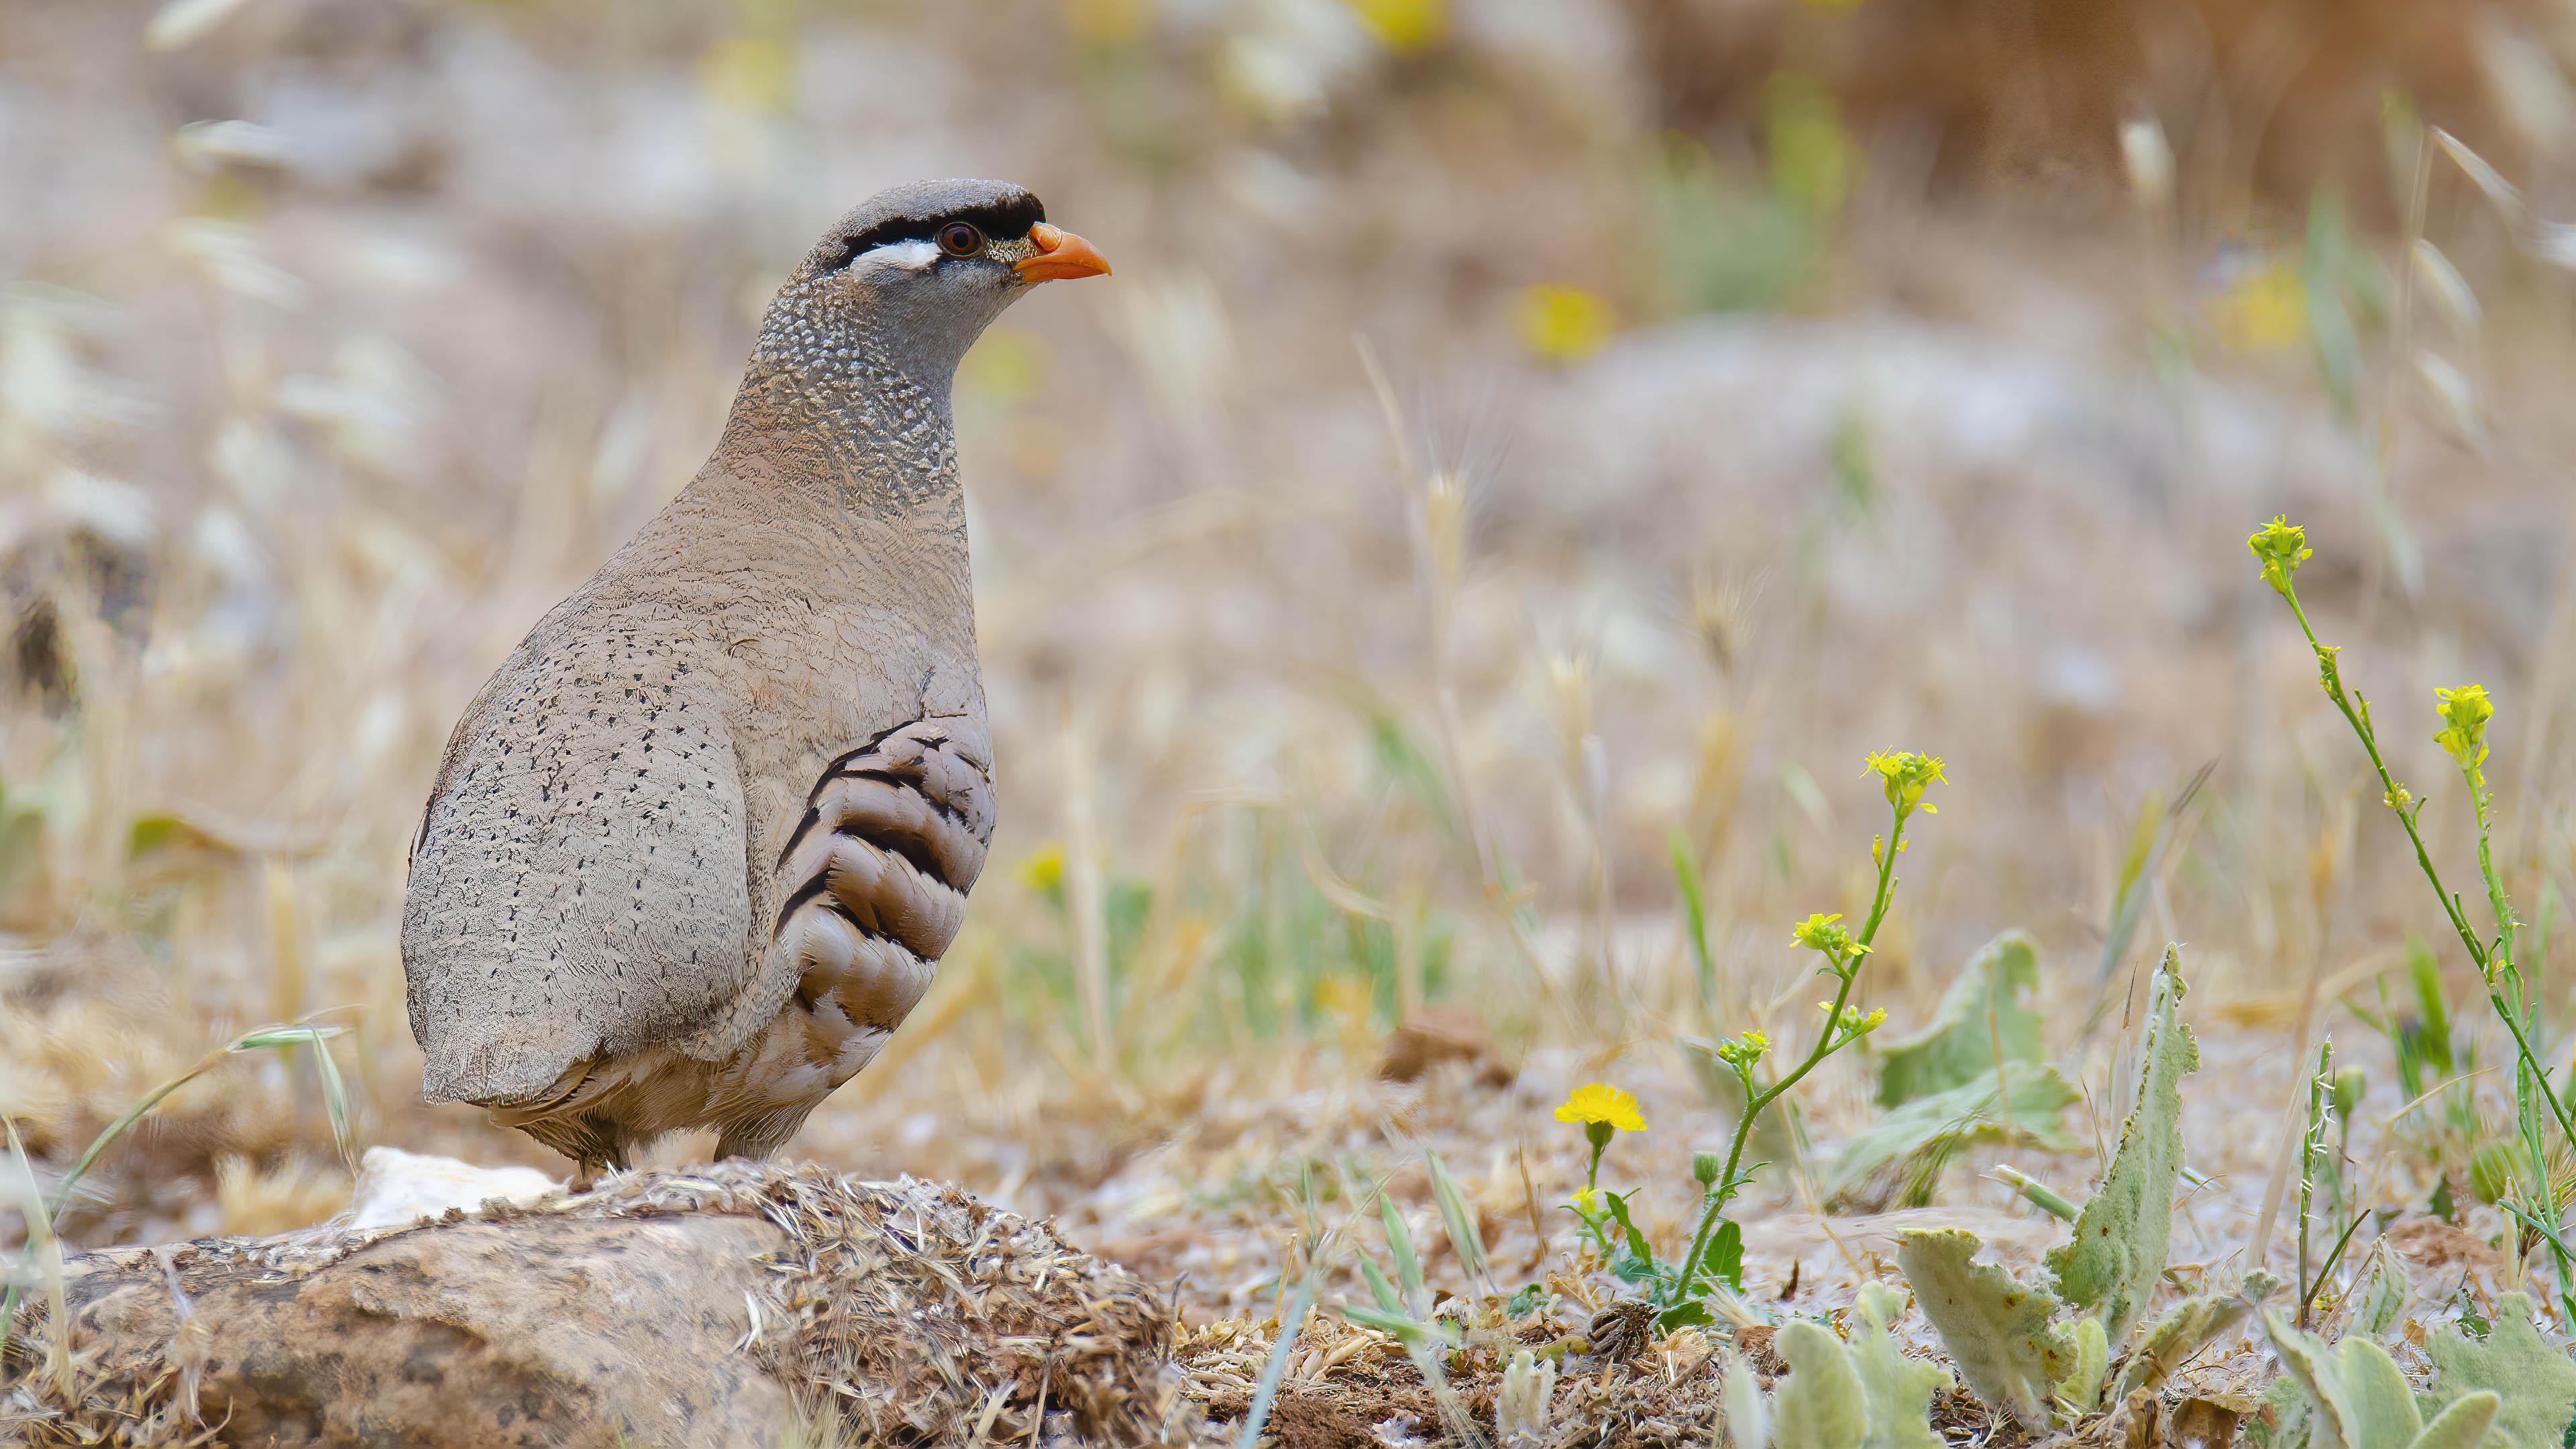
<point x="695" y="849"/>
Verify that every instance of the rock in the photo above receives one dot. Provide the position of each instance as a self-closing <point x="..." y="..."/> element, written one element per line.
<point x="1431" y="1035"/>
<point x="549" y="1330"/>
<point x="719" y="1307"/>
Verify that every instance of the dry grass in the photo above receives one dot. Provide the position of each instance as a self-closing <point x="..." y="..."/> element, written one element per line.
<point x="1360" y="655"/>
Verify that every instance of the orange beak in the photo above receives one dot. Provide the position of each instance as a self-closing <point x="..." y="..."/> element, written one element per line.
<point x="1060" y="254"/>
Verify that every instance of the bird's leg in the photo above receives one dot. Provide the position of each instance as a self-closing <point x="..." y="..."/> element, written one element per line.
<point x="608" y="1155"/>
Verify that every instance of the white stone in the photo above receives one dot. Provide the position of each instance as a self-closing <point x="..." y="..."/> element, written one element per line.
<point x="397" y="1187"/>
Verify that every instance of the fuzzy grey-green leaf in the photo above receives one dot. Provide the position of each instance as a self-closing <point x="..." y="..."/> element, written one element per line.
<point x="1895" y="1390"/>
<point x="1947" y="1120"/>
<point x="2535" y="1379"/>
<point x="2318" y="1371"/>
<point x="1996" y="1328"/>
<point x="2126" y="1230"/>
<point x="2383" y="1403"/>
<point x="2464" y="1424"/>
<point x="1748" y="1417"/>
<point x="2187" y="1328"/>
<point x="2381" y="1297"/>
<point x="1820" y="1405"/>
<point x="1982" y="1010"/>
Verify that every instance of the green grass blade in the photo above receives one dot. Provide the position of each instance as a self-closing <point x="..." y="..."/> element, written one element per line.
<point x="1408" y="1263"/>
<point x="1458" y="1218"/>
<point x="1695" y="917"/>
<point x="45" y="1255"/>
<point x="1380" y="1289"/>
<point x="1276" y="1367"/>
<point x="256" y="1039"/>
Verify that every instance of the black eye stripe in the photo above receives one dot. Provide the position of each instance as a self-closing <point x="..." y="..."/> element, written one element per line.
<point x="1011" y="218"/>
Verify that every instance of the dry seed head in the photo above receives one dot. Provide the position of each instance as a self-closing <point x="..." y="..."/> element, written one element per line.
<point x="2499" y="192"/>
<point x="2529" y="88"/>
<point x="232" y="257"/>
<point x="2454" y="398"/>
<point x="207" y="146"/>
<point x="1569" y="678"/>
<point x="2147" y="157"/>
<point x="2448" y="289"/>
<point x="183" y="22"/>
<point x="259" y="1201"/>
<point x="1721" y="615"/>
<point x="1444" y="528"/>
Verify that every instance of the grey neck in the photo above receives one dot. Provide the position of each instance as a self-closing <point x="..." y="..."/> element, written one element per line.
<point x="870" y="418"/>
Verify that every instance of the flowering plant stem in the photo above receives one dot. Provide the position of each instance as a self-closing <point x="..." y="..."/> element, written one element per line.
<point x="2281" y="549"/>
<point x="1843" y="957"/>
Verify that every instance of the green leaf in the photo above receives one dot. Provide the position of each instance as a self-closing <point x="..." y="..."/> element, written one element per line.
<point x="1936" y="1126"/>
<point x="1693" y="1314"/>
<point x="2125" y="1232"/>
<point x="1982" y="1009"/>
<point x="1636" y="1258"/>
<point x="2433" y="1038"/>
<point x="2535" y="1378"/>
<point x="1996" y="1328"/>
<point x="1819" y="1405"/>
<point x="2087" y="1362"/>
<point x="1724" y="1259"/>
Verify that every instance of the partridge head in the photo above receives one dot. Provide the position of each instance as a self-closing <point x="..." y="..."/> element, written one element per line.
<point x="696" y="848"/>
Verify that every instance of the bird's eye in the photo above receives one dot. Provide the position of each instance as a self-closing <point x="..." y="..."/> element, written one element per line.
<point x="960" y="239"/>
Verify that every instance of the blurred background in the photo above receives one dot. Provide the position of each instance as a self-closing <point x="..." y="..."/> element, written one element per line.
<point x="1530" y="451"/>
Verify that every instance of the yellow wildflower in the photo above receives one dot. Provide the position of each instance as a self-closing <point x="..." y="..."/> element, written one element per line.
<point x="2465" y="712"/>
<point x="2264" y="308"/>
<point x="1907" y="776"/>
<point x="1742" y="1052"/>
<point x="1042" y="870"/>
<point x="749" y="73"/>
<point x="1820" y="932"/>
<point x="1599" y="1102"/>
<point x="2280" y="546"/>
<point x="1404" y="26"/>
<point x="1562" y="323"/>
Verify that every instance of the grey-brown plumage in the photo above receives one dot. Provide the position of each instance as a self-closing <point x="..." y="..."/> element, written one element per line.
<point x="696" y="848"/>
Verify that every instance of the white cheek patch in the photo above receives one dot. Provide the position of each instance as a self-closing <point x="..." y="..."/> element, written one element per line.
<point x="902" y="256"/>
